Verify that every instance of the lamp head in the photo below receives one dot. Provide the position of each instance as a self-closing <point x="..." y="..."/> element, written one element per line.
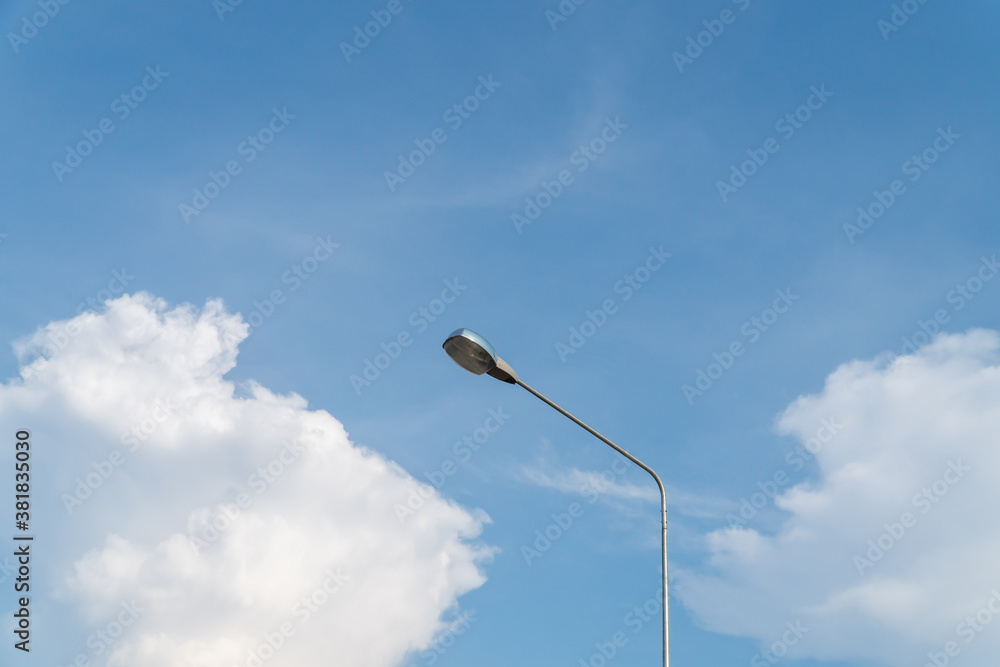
<point x="475" y="354"/>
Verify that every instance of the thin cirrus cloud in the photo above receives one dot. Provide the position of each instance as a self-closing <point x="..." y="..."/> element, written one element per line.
<point x="889" y="555"/>
<point x="231" y="526"/>
<point x="611" y="483"/>
<point x="574" y="480"/>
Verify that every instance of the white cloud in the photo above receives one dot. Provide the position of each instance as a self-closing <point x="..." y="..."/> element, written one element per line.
<point x="920" y="445"/>
<point x="316" y="547"/>
<point x="610" y="484"/>
<point x="579" y="481"/>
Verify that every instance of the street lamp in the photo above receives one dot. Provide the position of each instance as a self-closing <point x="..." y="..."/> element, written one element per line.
<point x="475" y="354"/>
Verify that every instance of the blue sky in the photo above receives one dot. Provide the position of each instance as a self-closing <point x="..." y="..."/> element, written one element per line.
<point x="388" y="252"/>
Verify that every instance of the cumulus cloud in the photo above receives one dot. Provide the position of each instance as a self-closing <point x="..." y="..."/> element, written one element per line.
<point x="242" y="527"/>
<point x="890" y="553"/>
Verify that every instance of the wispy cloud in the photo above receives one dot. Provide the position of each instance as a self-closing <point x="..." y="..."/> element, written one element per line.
<point x="610" y="483"/>
<point x="575" y="480"/>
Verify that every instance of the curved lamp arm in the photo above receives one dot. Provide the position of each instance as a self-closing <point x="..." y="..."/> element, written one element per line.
<point x="659" y="484"/>
<point x="476" y="355"/>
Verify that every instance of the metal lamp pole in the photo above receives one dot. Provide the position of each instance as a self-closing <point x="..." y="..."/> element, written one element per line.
<point x="475" y="354"/>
